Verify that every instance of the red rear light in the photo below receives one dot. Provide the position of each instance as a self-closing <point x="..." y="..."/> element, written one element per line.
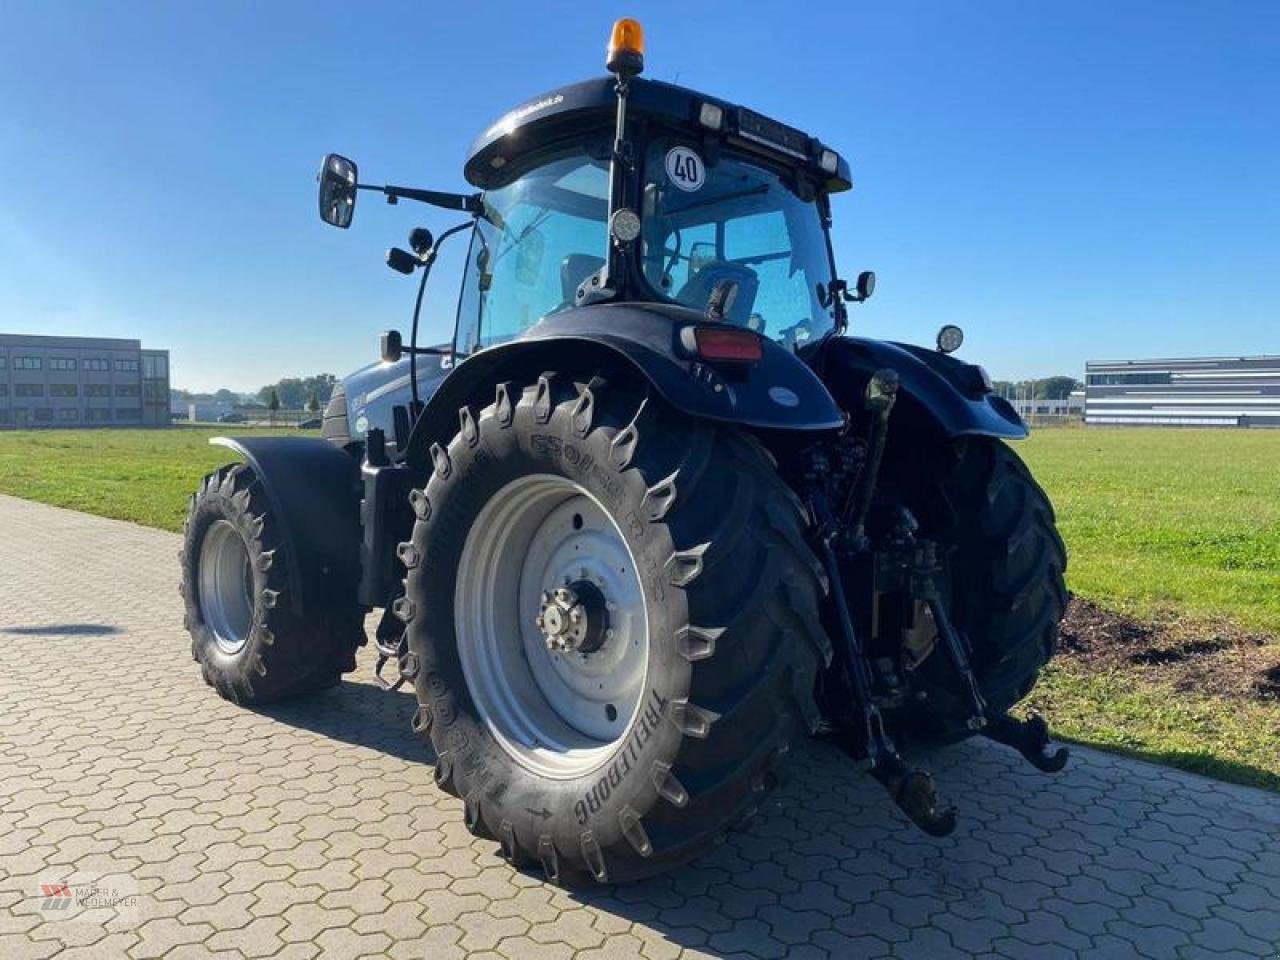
<point x="728" y="344"/>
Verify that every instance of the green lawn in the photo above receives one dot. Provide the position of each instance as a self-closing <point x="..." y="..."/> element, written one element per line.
<point x="139" y="475"/>
<point x="1123" y="712"/>
<point x="1160" y="524"/>
<point x="1179" y="521"/>
<point x="1167" y="525"/>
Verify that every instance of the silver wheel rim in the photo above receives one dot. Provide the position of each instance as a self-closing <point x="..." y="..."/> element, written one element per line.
<point x="559" y="714"/>
<point x="226" y="586"/>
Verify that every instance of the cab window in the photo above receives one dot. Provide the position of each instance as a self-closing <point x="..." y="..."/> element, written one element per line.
<point x="732" y="220"/>
<point x="543" y="235"/>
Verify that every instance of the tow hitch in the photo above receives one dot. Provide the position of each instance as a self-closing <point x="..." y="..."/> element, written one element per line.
<point x="1029" y="737"/>
<point x="910" y="565"/>
<point x="912" y="790"/>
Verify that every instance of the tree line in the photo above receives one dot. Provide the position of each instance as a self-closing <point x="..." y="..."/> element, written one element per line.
<point x="299" y="393"/>
<point x="290" y="393"/>
<point x="1048" y="388"/>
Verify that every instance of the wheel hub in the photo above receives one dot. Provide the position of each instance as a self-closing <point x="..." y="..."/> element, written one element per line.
<point x="225" y="584"/>
<point x="573" y="618"/>
<point x="552" y="626"/>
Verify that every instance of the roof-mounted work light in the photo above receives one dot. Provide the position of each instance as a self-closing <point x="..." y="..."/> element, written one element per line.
<point x="626" y="48"/>
<point x="950" y="338"/>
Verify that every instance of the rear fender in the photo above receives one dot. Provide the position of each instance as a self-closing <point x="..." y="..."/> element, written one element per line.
<point x="779" y="392"/>
<point x="935" y="389"/>
<point x="314" y="491"/>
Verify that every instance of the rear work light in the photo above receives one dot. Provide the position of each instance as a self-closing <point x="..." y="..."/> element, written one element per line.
<point x="711" y="116"/>
<point x="725" y="344"/>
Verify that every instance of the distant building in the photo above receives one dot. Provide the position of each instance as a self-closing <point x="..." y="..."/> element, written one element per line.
<point x="81" y="382"/>
<point x="201" y="411"/>
<point x="1041" y="410"/>
<point x="1207" y="392"/>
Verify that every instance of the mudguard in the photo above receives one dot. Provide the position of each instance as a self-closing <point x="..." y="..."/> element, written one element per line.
<point x="779" y="392"/>
<point x="314" y="491"/>
<point x="935" y="387"/>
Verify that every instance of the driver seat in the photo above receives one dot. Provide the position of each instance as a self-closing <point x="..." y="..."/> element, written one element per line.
<point x="575" y="268"/>
<point x="698" y="288"/>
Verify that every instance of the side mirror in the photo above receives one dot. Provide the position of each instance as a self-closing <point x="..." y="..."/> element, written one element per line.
<point x="392" y="346"/>
<point x="865" y="284"/>
<point x="338" y="178"/>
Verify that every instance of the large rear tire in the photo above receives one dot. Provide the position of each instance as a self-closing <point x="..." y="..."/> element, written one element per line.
<point x="251" y="645"/>
<point x="633" y="756"/>
<point x="1007" y="591"/>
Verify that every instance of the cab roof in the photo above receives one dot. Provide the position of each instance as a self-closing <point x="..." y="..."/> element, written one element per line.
<point x="590" y="106"/>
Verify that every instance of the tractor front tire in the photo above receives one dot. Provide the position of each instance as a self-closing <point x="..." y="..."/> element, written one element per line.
<point x="628" y="747"/>
<point x="251" y="645"/>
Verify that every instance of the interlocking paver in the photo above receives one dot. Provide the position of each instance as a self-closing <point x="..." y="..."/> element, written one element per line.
<point x="261" y="937"/>
<point x="315" y="827"/>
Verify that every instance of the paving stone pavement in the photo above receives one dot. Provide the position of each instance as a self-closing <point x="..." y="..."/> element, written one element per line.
<point x="315" y="829"/>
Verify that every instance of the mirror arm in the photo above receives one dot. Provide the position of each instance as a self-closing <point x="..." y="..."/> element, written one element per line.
<point x="466" y="202"/>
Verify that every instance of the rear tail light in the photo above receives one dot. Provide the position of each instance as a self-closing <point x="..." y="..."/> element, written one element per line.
<point x="727" y="344"/>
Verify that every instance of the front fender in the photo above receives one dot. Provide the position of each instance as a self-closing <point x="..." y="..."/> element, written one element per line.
<point x="780" y="392"/>
<point x="939" y="388"/>
<point x="314" y="491"/>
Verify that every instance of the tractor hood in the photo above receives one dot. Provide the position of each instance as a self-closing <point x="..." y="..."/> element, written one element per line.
<point x="366" y="399"/>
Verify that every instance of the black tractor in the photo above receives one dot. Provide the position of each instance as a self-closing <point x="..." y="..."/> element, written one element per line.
<point x="652" y="515"/>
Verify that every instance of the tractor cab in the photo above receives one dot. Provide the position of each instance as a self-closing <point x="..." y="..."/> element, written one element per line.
<point x="623" y="189"/>
<point x="703" y="208"/>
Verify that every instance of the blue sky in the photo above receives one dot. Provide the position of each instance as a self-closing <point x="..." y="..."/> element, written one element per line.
<point x="1086" y="180"/>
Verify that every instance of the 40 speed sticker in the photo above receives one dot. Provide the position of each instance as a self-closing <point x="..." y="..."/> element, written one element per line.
<point x="685" y="169"/>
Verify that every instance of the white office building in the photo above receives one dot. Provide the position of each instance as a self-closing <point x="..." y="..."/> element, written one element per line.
<point x="81" y="382"/>
<point x="1201" y="392"/>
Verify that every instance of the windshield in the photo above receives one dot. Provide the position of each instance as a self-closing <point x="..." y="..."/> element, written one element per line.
<point x="732" y="220"/>
<point x="547" y="235"/>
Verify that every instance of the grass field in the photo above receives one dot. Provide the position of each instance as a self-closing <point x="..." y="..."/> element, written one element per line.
<point x="1178" y="528"/>
<point x="1181" y="529"/>
<point x="1180" y="521"/>
<point x="139" y="475"/>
